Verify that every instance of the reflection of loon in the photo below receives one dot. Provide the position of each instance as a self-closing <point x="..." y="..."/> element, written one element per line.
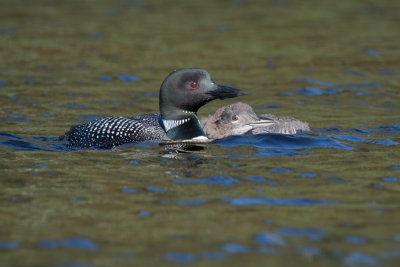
<point x="239" y="118"/>
<point x="182" y="93"/>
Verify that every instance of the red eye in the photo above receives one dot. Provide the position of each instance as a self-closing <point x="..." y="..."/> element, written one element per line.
<point x="193" y="85"/>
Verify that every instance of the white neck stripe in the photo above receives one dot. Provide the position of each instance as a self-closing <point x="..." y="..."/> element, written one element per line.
<point x="170" y="124"/>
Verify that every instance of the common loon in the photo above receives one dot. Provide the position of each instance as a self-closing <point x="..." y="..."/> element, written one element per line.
<point x="182" y="93"/>
<point x="239" y="118"/>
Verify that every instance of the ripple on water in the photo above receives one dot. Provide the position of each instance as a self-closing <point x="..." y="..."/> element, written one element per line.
<point x="214" y="255"/>
<point x="313" y="234"/>
<point x="308" y="175"/>
<point x="73" y="242"/>
<point x="280" y="153"/>
<point x="73" y="105"/>
<point x="397" y="238"/>
<point x="224" y="180"/>
<point x="272" y="239"/>
<point x="128" y="190"/>
<point x="144" y="213"/>
<point x="96" y="36"/>
<point x="20" y="119"/>
<point x="353" y="239"/>
<point x="260" y="179"/>
<point x="156" y="189"/>
<point x="356" y="258"/>
<point x="21" y="197"/>
<point x="48" y="244"/>
<point x="79" y="243"/>
<point x="18" y="143"/>
<point x="87" y="118"/>
<point x="282" y="141"/>
<point x="391" y="253"/>
<point x="7" y="30"/>
<point x="39" y="165"/>
<point x="268" y="221"/>
<point x="280" y="170"/>
<point x="277" y="201"/>
<point x="353" y="72"/>
<point x="129" y="78"/>
<point x="377" y="186"/>
<point x="383" y="142"/>
<point x="373" y="52"/>
<point x="385" y="130"/>
<point x="332" y="88"/>
<point x="77" y="199"/>
<point x="309" y="91"/>
<point x="73" y="264"/>
<point x="359" y="85"/>
<point x="309" y="250"/>
<point x="390" y="179"/>
<point x="219" y="180"/>
<point x="180" y="257"/>
<point x="387" y="72"/>
<point x="267" y="249"/>
<point x="255" y="179"/>
<point x="191" y="202"/>
<point x="235" y="248"/>
<point x="6" y="245"/>
<point x="105" y="78"/>
<point x="47" y="115"/>
<point x="316" y="82"/>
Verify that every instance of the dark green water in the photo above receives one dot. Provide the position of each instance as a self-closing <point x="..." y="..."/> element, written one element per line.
<point x="328" y="198"/>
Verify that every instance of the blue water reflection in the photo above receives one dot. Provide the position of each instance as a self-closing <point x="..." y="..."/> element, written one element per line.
<point x="236" y="248"/>
<point x="219" y="180"/>
<point x="353" y="239"/>
<point x="309" y="250"/>
<point x="214" y="255"/>
<point x="8" y="245"/>
<point x="356" y="259"/>
<point x="272" y="239"/>
<point x="313" y="234"/>
<point x="277" y="201"/>
<point x="73" y="242"/>
<point x="281" y="141"/>
<point x="180" y="257"/>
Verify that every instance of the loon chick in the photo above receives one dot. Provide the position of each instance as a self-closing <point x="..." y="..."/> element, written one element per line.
<point x="239" y="118"/>
<point x="182" y="93"/>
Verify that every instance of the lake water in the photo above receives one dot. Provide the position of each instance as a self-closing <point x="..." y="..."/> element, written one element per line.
<point x="325" y="198"/>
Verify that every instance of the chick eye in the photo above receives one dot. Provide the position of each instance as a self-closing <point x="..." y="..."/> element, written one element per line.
<point x="235" y="118"/>
<point x="194" y="85"/>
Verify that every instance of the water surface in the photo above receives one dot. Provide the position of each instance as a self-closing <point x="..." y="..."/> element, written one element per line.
<point x="329" y="197"/>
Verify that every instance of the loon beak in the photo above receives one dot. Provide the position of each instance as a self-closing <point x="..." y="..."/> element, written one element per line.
<point x="246" y="128"/>
<point x="261" y="123"/>
<point x="223" y="92"/>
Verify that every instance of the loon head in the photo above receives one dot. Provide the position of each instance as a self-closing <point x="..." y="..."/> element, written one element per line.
<point x="190" y="89"/>
<point x="235" y="119"/>
<point x="182" y="93"/>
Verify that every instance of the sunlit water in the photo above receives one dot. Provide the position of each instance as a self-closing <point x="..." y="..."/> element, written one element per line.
<point x="329" y="197"/>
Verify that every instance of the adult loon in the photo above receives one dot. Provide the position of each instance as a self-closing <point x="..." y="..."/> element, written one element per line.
<point x="182" y="93"/>
<point x="239" y="118"/>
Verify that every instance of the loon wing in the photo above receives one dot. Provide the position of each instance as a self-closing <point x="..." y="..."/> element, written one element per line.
<point x="108" y="132"/>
